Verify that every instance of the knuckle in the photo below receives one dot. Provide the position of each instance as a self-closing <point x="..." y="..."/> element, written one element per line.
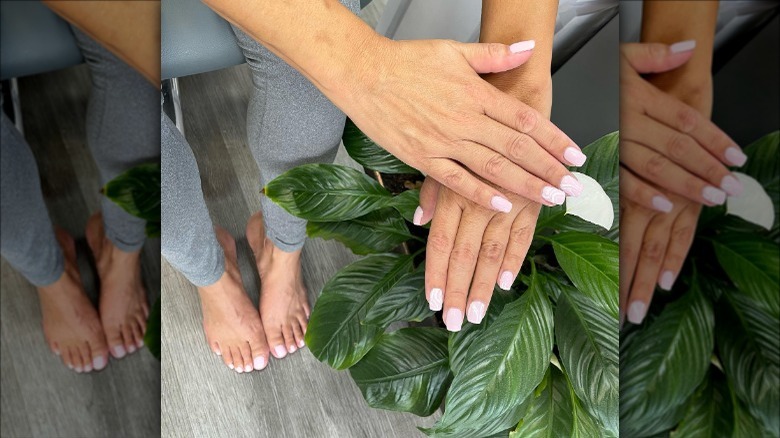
<point x="686" y="119"/>
<point x="453" y="178"/>
<point x="463" y="255"/>
<point x="526" y="120"/>
<point x="656" y="51"/>
<point x="492" y="251"/>
<point x="438" y="243"/>
<point x="655" y="165"/>
<point x="553" y="173"/>
<point x="678" y="146"/>
<point x="495" y="165"/>
<point x="683" y="233"/>
<point x="496" y="50"/>
<point x="520" y="234"/>
<point x="517" y="147"/>
<point x="713" y="172"/>
<point x="652" y="251"/>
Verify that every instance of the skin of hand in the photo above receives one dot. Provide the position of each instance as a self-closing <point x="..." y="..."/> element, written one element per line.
<point x="423" y="101"/>
<point x="471" y="249"/>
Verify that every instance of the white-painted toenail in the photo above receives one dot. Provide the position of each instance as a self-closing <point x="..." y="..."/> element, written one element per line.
<point x="230" y="366"/>
<point x="280" y="352"/>
<point x="140" y="344"/>
<point x="301" y="343"/>
<point x="78" y="368"/>
<point x="248" y="368"/>
<point x="119" y="351"/>
<point x="239" y="369"/>
<point x="99" y="362"/>
<point x="291" y="349"/>
<point x="131" y="348"/>
<point x="88" y="368"/>
<point x="259" y="363"/>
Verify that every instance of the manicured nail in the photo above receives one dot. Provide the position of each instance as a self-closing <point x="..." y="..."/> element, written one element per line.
<point x="239" y="369"/>
<point x="218" y="353"/>
<point x="70" y="366"/>
<point x="666" y="281"/>
<point x="280" y="351"/>
<point x="735" y="156"/>
<point x="501" y="204"/>
<point x="522" y="46"/>
<point x="571" y="186"/>
<point x="88" y="368"/>
<point x="57" y="352"/>
<point x="249" y="368"/>
<point x="437" y="298"/>
<point x="683" y="46"/>
<point x="476" y="312"/>
<point x="417" y="220"/>
<point x="292" y="349"/>
<point x="259" y="363"/>
<point x="99" y="363"/>
<point x="78" y="369"/>
<point x="301" y="343"/>
<point x="454" y="320"/>
<point x="574" y="156"/>
<point x="662" y="204"/>
<point x="119" y="351"/>
<point x="636" y="312"/>
<point x="131" y="348"/>
<point x="231" y="366"/>
<point x="713" y="195"/>
<point x="140" y="344"/>
<point x="553" y="195"/>
<point x="731" y="185"/>
<point x="506" y="280"/>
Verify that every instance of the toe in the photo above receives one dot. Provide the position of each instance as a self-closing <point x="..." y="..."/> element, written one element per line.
<point x="215" y="348"/>
<point x="128" y="338"/>
<point x="238" y="361"/>
<point x="67" y="359"/>
<point x="259" y="352"/>
<point x="246" y="356"/>
<point x="138" y="335"/>
<point x="289" y="338"/>
<point x="276" y="341"/>
<point x="298" y="334"/>
<point x="75" y="359"/>
<point x="115" y="342"/>
<point x="227" y="358"/>
<point x="86" y="357"/>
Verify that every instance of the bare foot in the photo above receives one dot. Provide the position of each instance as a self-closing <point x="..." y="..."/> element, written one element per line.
<point x="71" y="324"/>
<point x="284" y="306"/>
<point x="232" y="324"/>
<point x="123" y="306"/>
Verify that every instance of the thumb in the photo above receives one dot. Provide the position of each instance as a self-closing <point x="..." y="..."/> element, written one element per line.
<point x="429" y="193"/>
<point x="496" y="57"/>
<point x="657" y="57"/>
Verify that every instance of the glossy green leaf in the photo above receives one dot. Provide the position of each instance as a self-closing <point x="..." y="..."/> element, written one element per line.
<point x="587" y="339"/>
<point x="407" y="370"/>
<point x="327" y="192"/>
<point x="369" y="154"/>
<point x="752" y="262"/>
<point x="664" y="364"/>
<point x="404" y="302"/>
<point x="152" y="335"/>
<point x="137" y="191"/>
<point x="376" y="232"/>
<point x="502" y="367"/>
<point x="406" y="203"/>
<point x="335" y="333"/>
<point x="591" y="263"/>
<point x="709" y="412"/>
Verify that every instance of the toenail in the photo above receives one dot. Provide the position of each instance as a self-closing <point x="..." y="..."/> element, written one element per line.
<point x="301" y="343"/>
<point x="119" y="351"/>
<point x="88" y="368"/>
<point x="248" y="368"/>
<point x="218" y="353"/>
<point x="140" y="344"/>
<point x="69" y="366"/>
<point x="78" y="369"/>
<point x="280" y="352"/>
<point x="99" y="362"/>
<point x="259" y="363"/>
<point x="230" y="366"/>
<point x="239" y="370"/>
<point x="131" y="348"/>
<point x="291" y="349"/>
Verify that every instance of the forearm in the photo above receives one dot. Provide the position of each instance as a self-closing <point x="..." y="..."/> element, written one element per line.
<point x="129" y="29"/>
<point x="665" y="21"/>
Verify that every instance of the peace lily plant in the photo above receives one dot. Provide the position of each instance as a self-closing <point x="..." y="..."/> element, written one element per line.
<point x="544" y="359"/>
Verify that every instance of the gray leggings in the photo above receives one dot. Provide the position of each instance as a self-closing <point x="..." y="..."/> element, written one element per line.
<point x="121" y="133"/>
<point x="289" y="123"/>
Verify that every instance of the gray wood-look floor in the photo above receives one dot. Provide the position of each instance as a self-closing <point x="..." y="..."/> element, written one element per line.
<point x="40" y="397"/>
<point x="294" y="397"/>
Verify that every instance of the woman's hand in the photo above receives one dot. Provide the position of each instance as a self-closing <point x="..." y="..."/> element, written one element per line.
<point x="666" y="142"/>
<point x="425" y="102"/>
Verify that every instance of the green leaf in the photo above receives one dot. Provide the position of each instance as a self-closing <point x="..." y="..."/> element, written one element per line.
<point x="137" y="191"/>
<point x="327" y="193"/>
<point x="407" y="370"/>
<point x="555" y="412"/>
<point x="378" y="231"/>
<point x="709" y="412"/>
<point x="664" y="363"/>
<point x="752" y="262"/>
<point x="406" y="203"/>
<point x="335" y="334"/>
<point x="591" y="262"/>
<point x="404" y="302"/>
<point x="587" y="339"/>
<point x="369" y="154"/>
<point x="152" y="336"/>
<point x="502" y="367"/>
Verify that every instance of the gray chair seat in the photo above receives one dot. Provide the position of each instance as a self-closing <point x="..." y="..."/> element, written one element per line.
<point x="33" y="40"/>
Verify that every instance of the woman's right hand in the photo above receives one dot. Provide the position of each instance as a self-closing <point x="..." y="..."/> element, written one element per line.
<point x="425" y="102"/>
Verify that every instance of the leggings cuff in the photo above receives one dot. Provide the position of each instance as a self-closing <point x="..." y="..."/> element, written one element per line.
<point x="283" y="245"/>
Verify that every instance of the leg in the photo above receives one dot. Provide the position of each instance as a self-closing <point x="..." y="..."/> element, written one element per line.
<point x="121" y="133"/>
<point x="208" y="260"/>
<point x="70" y="323"/>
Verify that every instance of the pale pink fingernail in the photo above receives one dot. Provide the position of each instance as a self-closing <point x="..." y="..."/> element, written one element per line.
<point x="506" y="280"/>
<point x="522" y="46"/>
<point x="662" y="204"/>
<point x="735" y="156"/>
<point x="574" y="156"/>
<point x="571" y="186"/>
<point x="636" y="312"/>
<point x="454" y="320"/>
<point x="259" y="363"/>
<point x="501" y="204"/>
<point x="417" y="220"/>
<point x="437" y="298"/>
<point x="553" y="195"/>
<point x="666" y="281"/>
<point x="476" y="312"/>
<point x="713" y="195"/>
<point x="683" y="46"/>
<point x="731" y="185"/>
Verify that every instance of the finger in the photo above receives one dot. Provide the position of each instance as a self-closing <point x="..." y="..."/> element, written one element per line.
<point x="497" y="169"/>
<point x="659" y="170"/>
<point x="461" y="181"/>
<point x="463" y="260"/>
<point x="654" y="244"/>
<point x="441" y="239"/>
<point x="683" y="229"/>
<point x="246" y="357"/>
<point x="529" y="155"/>
<point x="428" y="194"/>
<point x="642" y="193"/>
<point x="496" y="57"/>
<point x="520" y="236"/>
<point x="657" y="57"/>
<point x="491" y="254"/>
<point x="633" y="223"/>
<point x="682" y="149"/>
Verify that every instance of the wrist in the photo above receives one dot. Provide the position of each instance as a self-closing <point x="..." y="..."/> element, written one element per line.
<point x="696" y="93"/>
<point x="532" y="88"/>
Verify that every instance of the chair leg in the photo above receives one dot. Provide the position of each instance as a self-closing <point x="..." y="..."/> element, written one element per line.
<point x="17" y="105"/>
